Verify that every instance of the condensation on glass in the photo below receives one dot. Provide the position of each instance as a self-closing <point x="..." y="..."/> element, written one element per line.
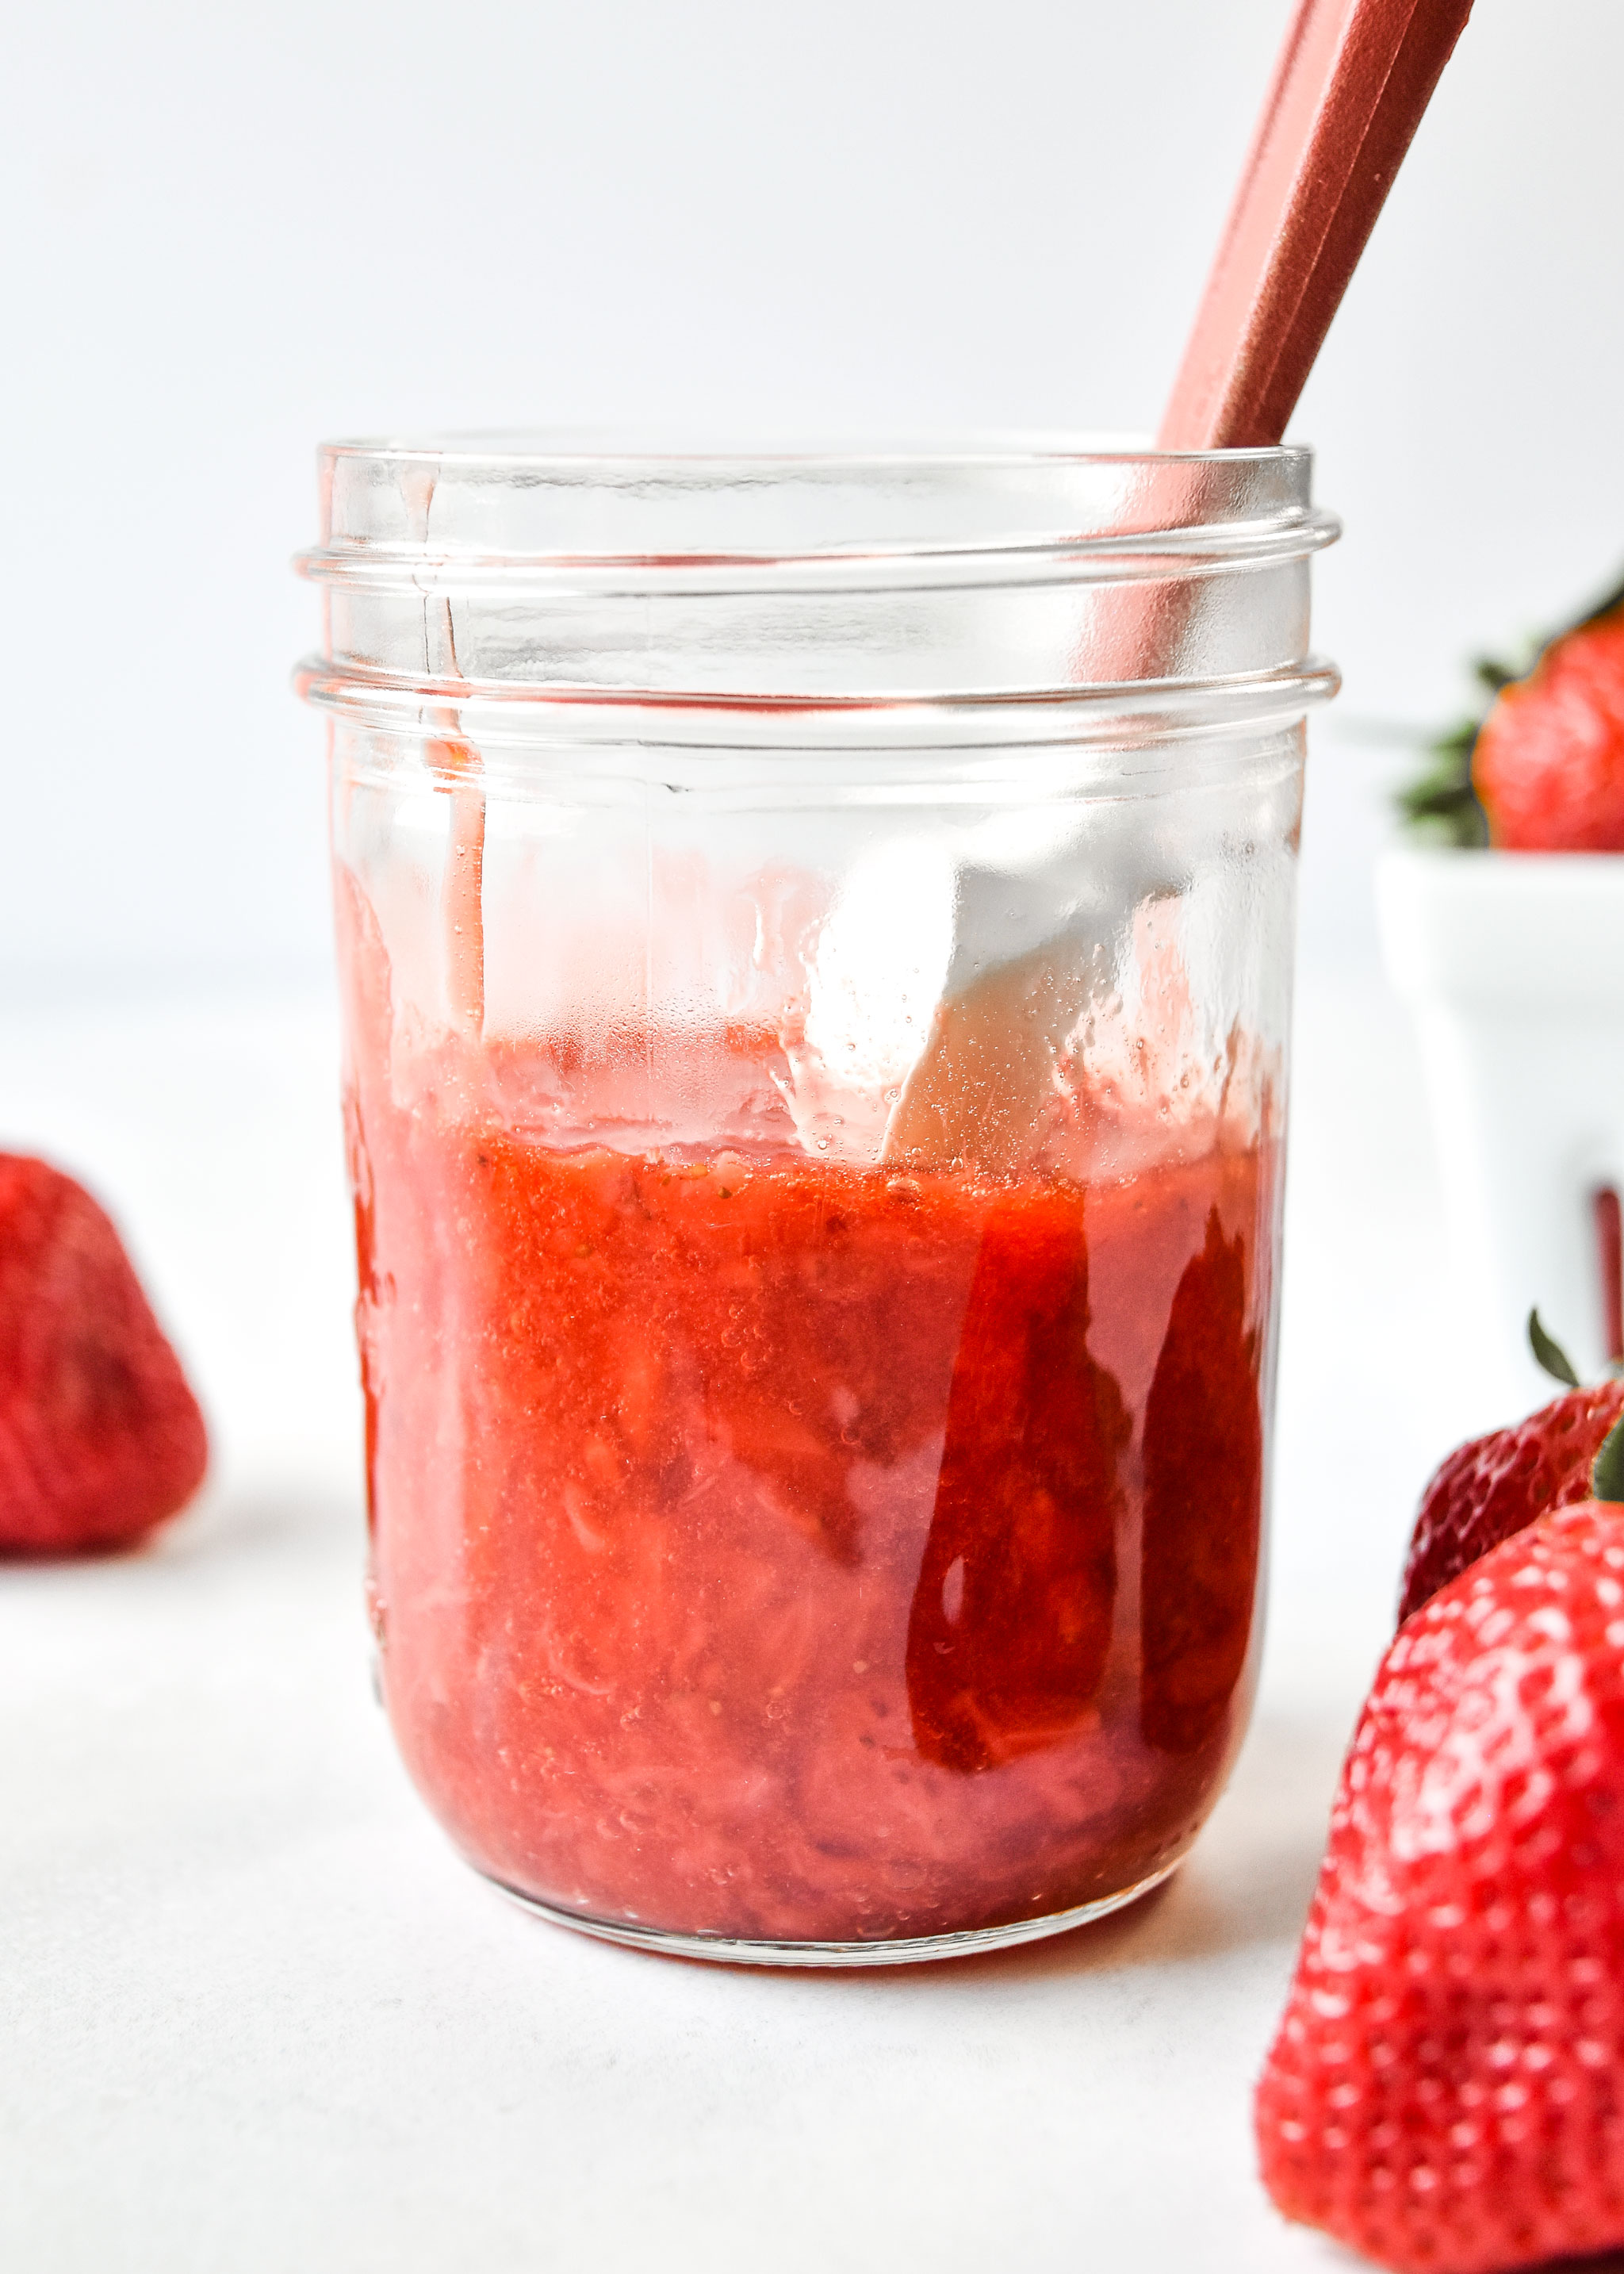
<point x="815" y="934"/>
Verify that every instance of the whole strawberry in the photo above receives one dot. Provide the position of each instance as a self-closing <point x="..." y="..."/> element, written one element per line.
<point x="1446" y="2090"/>
<point x="99" y="1436"/>
<point x="1496" y="1485"/>
<point x="1548" y="763"/>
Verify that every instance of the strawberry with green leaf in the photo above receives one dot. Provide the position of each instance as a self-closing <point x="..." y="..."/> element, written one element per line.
<point x="1487" y="1491"/>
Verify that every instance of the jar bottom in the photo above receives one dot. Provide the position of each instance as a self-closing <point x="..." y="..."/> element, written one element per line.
<point x="912" y="1950"/>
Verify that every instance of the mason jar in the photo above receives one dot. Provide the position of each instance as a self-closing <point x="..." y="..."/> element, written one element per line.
<point x="815" y="937"/>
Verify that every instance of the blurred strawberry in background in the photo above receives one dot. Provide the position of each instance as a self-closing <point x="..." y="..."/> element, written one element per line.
<point x="1543" y="770"/>
<point x="100" y="1438"/>
<point x="1548" y="766"/>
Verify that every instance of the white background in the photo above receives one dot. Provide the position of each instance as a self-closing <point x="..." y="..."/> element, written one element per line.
<point x="229" y="232"/>
<point x="256" y="2015"/>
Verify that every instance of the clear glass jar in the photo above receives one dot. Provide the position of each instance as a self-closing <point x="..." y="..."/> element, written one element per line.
<point x="815" y="936"/>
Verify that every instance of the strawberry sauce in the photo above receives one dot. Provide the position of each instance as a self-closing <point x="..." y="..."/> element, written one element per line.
<point x="778" y="1548"/>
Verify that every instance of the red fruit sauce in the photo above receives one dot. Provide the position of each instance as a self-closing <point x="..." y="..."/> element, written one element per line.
<point x="785" y="1549"/>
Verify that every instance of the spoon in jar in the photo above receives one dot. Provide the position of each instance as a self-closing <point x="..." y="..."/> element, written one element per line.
<point x="1350" y="87"/>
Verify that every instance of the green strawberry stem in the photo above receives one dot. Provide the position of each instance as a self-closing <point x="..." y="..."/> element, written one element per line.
<point x="1549" y="1354"/>
<point x="1607" y="1469"/>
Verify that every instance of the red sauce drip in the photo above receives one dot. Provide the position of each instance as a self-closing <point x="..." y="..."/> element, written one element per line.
<point x="1011" y="1623"/>
<point x="1203" y="1499"/>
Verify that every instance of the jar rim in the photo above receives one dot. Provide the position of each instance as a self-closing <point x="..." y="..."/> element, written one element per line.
<point x="608" y="446"/>
<point x="489" y="570"/>
<point x="536" y="505"/>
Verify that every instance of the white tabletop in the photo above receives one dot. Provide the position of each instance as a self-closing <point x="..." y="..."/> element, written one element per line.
<point x="256" y="2015"/>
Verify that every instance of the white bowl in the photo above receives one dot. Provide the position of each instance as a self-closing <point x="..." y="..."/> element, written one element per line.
<point x="1513" y="964"/>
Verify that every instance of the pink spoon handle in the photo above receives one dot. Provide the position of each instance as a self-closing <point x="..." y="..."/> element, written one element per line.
<point x="1349" y="87"/>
